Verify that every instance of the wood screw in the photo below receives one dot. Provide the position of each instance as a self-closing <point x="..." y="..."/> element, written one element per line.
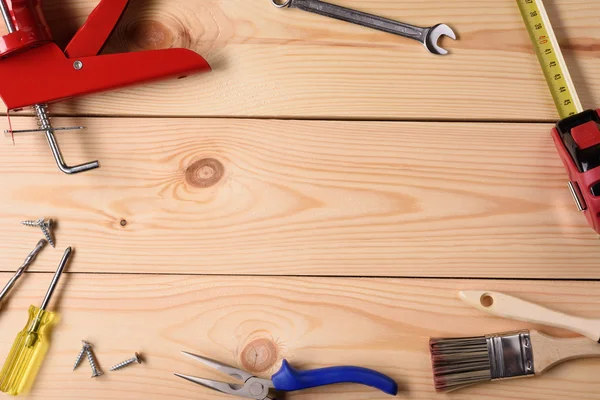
<point x="92" y="360"/>
<point x="84" y="349"/>
<point x="45" y="226"/>
<point x="135" y="360"/>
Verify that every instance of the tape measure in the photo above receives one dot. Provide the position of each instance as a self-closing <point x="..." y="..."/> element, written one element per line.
<point x="577" y="135"/>
<point x="550" y="57"/>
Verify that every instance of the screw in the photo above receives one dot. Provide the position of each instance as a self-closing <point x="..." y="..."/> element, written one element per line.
<point x="95" y="370"/>
<point x="77" y="65"/>
<point x="84" y="349"/>
<point x="45" y="226"/>
<point x="137" y="359"/>
<point x="38" y="222"/>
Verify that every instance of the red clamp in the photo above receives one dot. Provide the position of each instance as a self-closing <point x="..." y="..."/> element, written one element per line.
<point x="577" y="140"/>
<point x="36" y="71"/>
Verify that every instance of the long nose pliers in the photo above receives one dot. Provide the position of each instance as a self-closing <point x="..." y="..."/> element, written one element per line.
<point x="287" y="379"/>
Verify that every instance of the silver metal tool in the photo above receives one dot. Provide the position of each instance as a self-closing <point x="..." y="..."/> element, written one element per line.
<point x="96" y="372"/>
<point x="84" y="348"/>
<point x="44" y="124"/>
<point x="429" y="37"/>
<point x="56" y="278"/>
<point x="32" y="223"/>
<point x="67" y="128"/>
<point x="135" y="360"/>
<point x="45" y="226"/>
<point x="28" y="261"/>
<point x="10" y="26"/>
<point x="252" y="388"/>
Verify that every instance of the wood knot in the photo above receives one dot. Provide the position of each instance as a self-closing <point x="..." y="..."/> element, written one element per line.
<point x="204" y="173"/>
<point x="154" y="35"/>
<point x="123" y="222"/>
<point x="259" y="355"/>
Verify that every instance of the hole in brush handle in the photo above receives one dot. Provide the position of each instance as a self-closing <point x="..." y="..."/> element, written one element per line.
<point x="486" y="300"/>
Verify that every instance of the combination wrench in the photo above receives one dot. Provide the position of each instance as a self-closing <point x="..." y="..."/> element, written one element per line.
<point x="427" y="36"/>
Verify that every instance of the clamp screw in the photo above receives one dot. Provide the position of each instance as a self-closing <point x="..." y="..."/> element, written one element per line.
<point x="137" y="359"/>
<point x="77" y="65"/>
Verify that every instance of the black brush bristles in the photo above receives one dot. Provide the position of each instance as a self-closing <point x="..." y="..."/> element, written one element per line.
<point x="459" y="362"/>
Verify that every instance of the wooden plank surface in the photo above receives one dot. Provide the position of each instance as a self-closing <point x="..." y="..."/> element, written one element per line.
<point x="254" y="322"/>
<point x="217" y="196"/>
<point x="249" y="234"/>
<point x="270" y="62"/>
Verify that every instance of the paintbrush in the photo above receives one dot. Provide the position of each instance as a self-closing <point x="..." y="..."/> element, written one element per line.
<point x="460" y="362"/>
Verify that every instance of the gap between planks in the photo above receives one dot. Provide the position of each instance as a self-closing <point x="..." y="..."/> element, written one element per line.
<point x="14" y="116"/>
<point x="356" y="277"/>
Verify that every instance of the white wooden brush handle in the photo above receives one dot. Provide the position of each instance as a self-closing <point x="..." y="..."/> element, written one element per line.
<point x="549" y="351"/>
<point x="503" y="305"/>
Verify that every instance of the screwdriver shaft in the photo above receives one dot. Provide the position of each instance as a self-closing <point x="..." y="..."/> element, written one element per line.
<point x="57" y="275"/>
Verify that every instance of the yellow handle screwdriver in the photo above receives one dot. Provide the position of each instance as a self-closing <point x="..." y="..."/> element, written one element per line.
<point x="30" y="346"/>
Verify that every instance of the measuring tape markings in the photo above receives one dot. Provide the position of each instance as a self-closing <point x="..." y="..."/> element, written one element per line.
<point x="550" y="57"/>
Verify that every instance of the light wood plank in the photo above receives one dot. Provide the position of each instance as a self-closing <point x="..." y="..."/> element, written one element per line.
<point x="288" y="63"/>
<point x="382" y="324"/>
<point x="293" y="197"/>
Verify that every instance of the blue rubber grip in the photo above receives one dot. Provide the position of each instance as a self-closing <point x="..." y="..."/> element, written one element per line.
<point x="287" y="379"/>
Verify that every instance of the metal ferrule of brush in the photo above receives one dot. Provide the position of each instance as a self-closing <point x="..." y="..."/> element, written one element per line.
<point x="511" y="355"/>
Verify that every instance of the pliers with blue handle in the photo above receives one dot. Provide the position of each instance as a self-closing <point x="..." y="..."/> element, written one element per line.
<point x="287" y="379"/>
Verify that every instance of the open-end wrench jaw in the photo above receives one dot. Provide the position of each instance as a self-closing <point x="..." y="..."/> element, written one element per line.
<point x="433" y="36"/>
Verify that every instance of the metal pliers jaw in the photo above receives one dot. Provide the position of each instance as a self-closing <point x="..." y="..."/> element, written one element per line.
<point x="252" y="388"/>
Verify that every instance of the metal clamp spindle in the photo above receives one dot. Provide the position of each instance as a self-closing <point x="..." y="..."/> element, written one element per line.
<point x="46" y="126"/>
<point x="6" y="16"/>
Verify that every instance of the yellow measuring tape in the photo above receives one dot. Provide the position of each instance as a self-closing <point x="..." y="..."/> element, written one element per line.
<point x="550" y="57"/>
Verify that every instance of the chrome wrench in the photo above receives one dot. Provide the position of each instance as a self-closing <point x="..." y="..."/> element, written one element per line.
<point x="427" y="36"/>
